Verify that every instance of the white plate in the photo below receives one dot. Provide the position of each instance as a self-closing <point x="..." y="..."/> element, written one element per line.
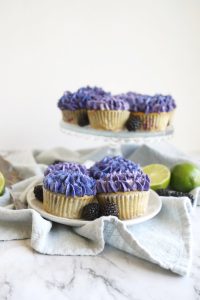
<point x="154" y="207"/>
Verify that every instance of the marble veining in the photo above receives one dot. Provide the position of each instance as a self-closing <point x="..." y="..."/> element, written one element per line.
<point x="109" y="283"/>
<point x="26" y="274"/>
<point x="6" y="289"/>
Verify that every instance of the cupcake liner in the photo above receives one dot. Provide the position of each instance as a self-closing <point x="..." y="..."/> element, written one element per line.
<point x="62" y="206"/>
<point x="153" y="121"/>
<point x="171" y="117"/>
<point x="130" y="204"/>
<point x="73" y="116"/>
<point x="108" y="119"/>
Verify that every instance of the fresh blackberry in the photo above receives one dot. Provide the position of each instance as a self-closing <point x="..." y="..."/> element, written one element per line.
<point x="38" y="192"/>
<point x="109" y="208"/>
<point x="83" y="120"/>
<point x="90" y="211"/>
<point x="133" y="123"/>
<point x="168" y="193"/>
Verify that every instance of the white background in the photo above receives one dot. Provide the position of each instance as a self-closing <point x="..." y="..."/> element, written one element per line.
<point x="48" y="46"/>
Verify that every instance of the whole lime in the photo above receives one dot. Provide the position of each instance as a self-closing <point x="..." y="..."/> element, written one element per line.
<point x="185" y="177"/>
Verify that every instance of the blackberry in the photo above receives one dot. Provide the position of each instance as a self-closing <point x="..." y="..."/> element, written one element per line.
<point x="109" y="208"/>
<point x="134" y="123"/>
<point x="90" y="211"/>
<point x="83" y="120"/>
<point x="38" y="192"/>
<point x="168" y="193"/>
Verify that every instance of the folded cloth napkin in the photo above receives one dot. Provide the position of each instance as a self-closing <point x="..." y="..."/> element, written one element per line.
<point x="164" y="240"/>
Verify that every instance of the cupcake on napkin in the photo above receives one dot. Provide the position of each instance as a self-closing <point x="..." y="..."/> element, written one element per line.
<point x="108" y="112"/>
<point x="129" y="191"/>
<point x="66" y="192"/>
<point x="152" y="113"/>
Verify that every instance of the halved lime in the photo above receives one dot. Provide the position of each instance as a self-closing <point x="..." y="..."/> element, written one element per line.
<point x="159" y="176"/>
<point x="2" y="184"/>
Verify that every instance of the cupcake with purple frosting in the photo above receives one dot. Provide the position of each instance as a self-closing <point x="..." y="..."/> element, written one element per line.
<point x="152" y="113"/>
<point x="109" y="165"/>
<point x="129" y="191"/>
<point x="73" y="105"/>
<point x="66" y="192"/>
<point x="108" y="112"/>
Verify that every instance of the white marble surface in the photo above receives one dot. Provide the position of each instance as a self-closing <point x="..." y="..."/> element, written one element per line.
<point x="25" y="274"/>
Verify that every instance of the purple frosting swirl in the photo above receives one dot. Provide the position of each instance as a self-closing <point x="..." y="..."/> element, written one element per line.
<point x="108" y="102"/>
<point x="66" y="166"/>
<point x="149" y="104"/>
<point x="84" y="94"/>
<point x="66" y="102"/>
<point x="78" y="100"/>
<point x="125" y="182"/>
<point x="70" y="183"/>
<point x="116" y="164"/>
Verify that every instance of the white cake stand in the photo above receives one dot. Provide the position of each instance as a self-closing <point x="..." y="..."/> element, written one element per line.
<point x="115" y="140"/>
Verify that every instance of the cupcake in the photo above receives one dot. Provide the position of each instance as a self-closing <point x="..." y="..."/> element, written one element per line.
<point x="73" y="105"/>
<point x="151" y="113"/>
<point x="109" y="165"/>
<point x="108" y="112"/>
<point x="66" y="192"/>
<point x="129" y="191"/>
<point x="70" y="108"/>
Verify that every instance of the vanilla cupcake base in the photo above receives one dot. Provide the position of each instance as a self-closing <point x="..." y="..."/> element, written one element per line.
<point x="66" y="207"/>
<point x="171" y="117"/>
<point x="73" y="116"/>
<point x="108" y="119"/>
<point x="130" y="204"/>
<point x="153" y="121"/>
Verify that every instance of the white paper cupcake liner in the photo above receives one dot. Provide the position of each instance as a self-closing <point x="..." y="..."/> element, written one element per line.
<point x="62" y="206"/>
<point x="108" y="119"/>
<point x="153" y="121"/>
<point x="73" y="116"/>
<point x="130" y="204"/>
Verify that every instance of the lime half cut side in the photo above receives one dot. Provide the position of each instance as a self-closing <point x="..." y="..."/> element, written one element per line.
<point x="159" y="176"/>
<point x="2" y="184"/>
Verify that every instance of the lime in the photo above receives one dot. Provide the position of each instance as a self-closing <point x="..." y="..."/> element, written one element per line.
<point x="185" y="177"/>
<point x="159" y="176"/>
<point x="2" y="184"/>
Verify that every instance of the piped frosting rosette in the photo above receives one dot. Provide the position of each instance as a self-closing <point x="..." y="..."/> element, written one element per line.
<point x="66" y="166"/>
<point x="109" y="165"/>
